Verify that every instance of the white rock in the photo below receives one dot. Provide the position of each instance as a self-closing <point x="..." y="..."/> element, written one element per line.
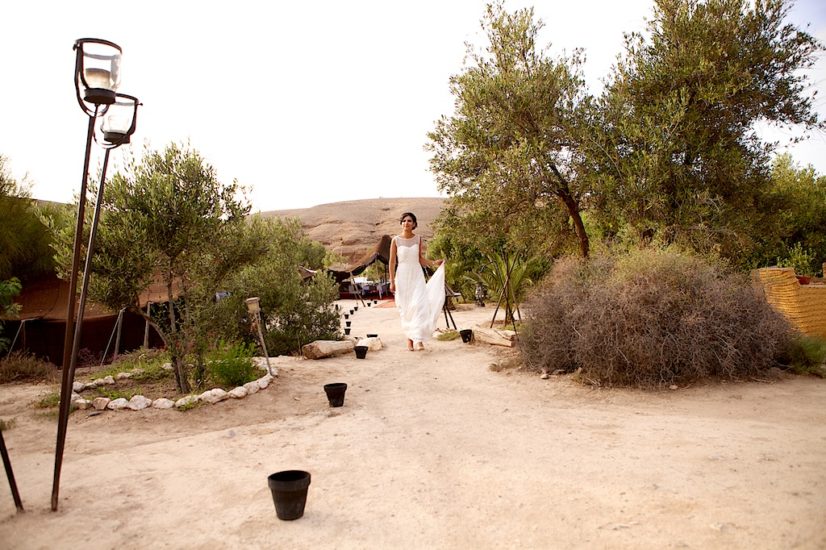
<point x="92" y="384"/>
<point x="107" y="380"/>
<point x="139" y="402"/>
<point x="78" y="386"/>
<point x="213" y="396"/>
<point x="264" y="381"/>
<point x="252" y="387"/>
<point x="186" y="401"/>
<point x="167" y="366"/>
<point x="118" y="404"/>
<point x="238" y="393"/>
<point x="100" y="403"/>
<point x="123" y="376"/>
<point x="74" y="397"/>
<point x="163" y="403"/>
<point x="82" y="404"/>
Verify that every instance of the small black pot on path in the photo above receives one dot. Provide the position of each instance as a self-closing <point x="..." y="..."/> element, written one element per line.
<point x="289" y="493"/>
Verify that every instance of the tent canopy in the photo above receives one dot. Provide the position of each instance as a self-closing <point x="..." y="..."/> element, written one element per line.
<point x="380" y="252"/>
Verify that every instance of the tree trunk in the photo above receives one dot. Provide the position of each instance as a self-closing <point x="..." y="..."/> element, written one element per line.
<point x="174" y="348"/>
<point x="564" y="193"/>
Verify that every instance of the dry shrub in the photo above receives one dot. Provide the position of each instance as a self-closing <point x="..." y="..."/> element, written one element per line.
<point x="651" y="318"/>
<point x="25" y="367"/>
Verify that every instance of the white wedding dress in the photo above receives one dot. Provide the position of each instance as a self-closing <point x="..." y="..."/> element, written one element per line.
<point x="419" y="303"/>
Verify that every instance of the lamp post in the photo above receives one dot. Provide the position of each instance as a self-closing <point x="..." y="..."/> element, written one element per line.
<point x="254" y="308"/>
<point x="97" y="76"/>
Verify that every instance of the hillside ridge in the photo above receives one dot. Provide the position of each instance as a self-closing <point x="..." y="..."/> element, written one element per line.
<point x="353" y="228"/>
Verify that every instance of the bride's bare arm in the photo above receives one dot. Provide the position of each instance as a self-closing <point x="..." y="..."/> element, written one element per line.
<point x="393" y="265"/>
<point x="424" y="261"/>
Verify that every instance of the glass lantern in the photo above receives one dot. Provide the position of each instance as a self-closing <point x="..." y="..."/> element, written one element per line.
<point x="97" y="70"/>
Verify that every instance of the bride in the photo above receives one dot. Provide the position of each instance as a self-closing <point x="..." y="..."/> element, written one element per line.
<point x="419" y="303"/>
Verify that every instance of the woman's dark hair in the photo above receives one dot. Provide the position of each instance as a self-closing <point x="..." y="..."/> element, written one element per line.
<point x="412" y="215"/>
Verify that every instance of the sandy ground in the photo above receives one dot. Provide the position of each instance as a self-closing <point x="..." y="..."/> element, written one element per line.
<point x="433" y="450"/>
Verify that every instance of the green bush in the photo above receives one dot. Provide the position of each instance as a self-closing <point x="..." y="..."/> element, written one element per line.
<point x="801" y="259"/>
<point x="294" y="310"/>
<point x="231" y="365"/>
<point x="21" y="367"/>
<point x="806" y="355"/>
<point x="651" y="318"/>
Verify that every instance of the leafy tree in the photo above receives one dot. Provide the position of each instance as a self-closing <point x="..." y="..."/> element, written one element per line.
<point x="24" y="240"/>
<point x="794" y="217"/>
<point x="8" y="290"/>
<point x="168" y="218"/>
<point x="509" y="151"/>
<point x="673" y="154"/>
<point x="295" y="310"/>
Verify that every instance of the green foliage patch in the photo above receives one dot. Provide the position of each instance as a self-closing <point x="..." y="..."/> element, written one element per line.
<point x="806" y="355"/>
<point x="231" y="365"/>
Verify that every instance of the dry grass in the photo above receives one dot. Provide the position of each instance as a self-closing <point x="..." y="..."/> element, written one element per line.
<point x="651" y="319"/>
<point x="24" y="367"/>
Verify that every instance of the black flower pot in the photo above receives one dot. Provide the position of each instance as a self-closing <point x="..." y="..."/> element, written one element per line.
<point x="347" y="323"/>
<point x="347" y="331"/>
<point x="355" y="308"/>
<point x="346" y="315"/>
<point x="372" y="335"/>
<point x="335" y="393"/>
<point x="361" y="351"/>
<point x="467" y="335"/>
<point x="289" y="493"/>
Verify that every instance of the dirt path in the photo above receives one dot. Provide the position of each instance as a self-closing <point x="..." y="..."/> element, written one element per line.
<point x="433" y="450"/>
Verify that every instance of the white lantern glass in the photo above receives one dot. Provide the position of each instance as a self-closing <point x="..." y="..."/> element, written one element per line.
<point x="101" y="66"/>
<point x="119" y="117"/>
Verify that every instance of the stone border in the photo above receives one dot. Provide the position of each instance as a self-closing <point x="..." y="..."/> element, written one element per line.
<point x="139" y="402"/>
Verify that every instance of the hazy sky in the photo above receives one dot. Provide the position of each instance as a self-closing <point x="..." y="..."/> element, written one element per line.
<point x="304" y="102"/>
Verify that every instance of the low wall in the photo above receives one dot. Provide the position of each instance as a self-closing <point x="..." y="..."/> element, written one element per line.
<point x="803" y="305"/>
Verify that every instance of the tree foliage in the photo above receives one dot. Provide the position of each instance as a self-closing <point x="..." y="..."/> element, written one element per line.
<point x="8" y="290"/>
<point x="508" y="151"/>
<point x="793" y="225"/>
<point x="673" y="153"/>
<point x="24" y="240"/>
<point x="167" y="218"/>
<point x="296" y="309"/>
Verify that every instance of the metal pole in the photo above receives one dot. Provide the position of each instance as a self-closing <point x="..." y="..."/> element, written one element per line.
<point x="16" y="334"/>
<point x="146" y="328"/>
<point x="68" y="377"/>
<point x="118" y="326"/>
<point x="10" y="474"/>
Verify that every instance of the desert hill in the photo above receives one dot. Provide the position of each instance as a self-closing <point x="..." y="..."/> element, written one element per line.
<point x="352" y="228"/>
